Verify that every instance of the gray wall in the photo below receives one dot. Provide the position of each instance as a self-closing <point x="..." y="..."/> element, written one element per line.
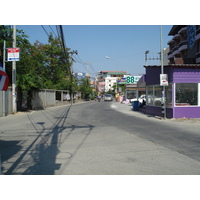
<point x="41" y="100"/>
<point x="6" y="102"/>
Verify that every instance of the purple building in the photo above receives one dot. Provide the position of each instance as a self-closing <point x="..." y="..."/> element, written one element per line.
<point x="182" y="95"/>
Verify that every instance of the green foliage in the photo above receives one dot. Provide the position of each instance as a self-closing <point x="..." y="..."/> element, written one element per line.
<point x="41" y="66"/>
<point x="85" y="87"/>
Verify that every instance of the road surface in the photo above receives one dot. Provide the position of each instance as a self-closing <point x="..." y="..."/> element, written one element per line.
<point x="94" y="138"/>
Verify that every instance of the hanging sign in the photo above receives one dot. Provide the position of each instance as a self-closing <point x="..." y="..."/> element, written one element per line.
<point x="13" y="54"/>
<point x="163" y="80"/>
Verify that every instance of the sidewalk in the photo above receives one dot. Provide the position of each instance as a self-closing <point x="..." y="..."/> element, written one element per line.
<point x="128" y="109"/>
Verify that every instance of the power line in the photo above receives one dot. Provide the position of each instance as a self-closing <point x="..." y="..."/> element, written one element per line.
<point x="52" y="30"/>
<point x="91" y="66"/>
<point x="45" y="30"/>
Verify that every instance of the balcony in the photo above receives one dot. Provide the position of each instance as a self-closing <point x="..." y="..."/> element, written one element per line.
<point x="170" y="55"/>
<point x="182" y="30"/>
<point x="176" y="51"/>
<point x="171" y="41"/>
<point x="177" y="36"/>
<point x="183" y="46"/>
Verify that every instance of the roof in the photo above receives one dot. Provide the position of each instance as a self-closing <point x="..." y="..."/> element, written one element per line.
<point x="174" y="30"/>
<point x="113" y="71"/>
<point x="117" y="72"/>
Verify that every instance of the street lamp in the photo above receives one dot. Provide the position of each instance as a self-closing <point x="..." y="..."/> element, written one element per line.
<point x="146" y="52"/>
<point x="107" y="57"/>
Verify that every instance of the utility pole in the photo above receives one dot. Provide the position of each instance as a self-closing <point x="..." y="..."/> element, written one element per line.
<point x="4" y="67"/>
<point x="14" y="106"/>
<point x="72" y="76"/>
<point x="162" y="72"/>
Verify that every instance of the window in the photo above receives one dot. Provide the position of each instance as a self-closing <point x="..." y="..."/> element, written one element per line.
<point x="149" y="98"/>
<point x="157" y="95"/>
<point x="154" y="95"/>
<point x="186" y="94"/>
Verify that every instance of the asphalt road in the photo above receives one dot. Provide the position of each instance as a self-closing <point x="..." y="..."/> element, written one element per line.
<point x="95" y="138"/>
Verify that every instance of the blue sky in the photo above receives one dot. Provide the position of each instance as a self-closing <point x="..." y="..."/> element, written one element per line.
<point x="123" y="44"/>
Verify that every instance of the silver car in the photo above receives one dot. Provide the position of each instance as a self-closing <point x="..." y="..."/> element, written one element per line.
<point x="108" y="97"/>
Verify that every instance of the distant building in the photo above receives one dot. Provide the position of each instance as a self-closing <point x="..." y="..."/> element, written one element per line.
<point x="107" y="79"/>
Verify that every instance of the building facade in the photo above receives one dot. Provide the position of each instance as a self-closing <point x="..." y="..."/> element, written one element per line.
<point x="184" y="47"/>
<point x="107" y="79"/>
<point x="182" y="95"/>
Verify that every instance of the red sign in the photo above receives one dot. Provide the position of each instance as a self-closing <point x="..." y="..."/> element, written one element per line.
<point x="13" y="50"/>
<point x="13" y="54"/>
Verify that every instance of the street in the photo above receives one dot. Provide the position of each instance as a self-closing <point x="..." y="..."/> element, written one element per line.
<point x="97" y="138"/>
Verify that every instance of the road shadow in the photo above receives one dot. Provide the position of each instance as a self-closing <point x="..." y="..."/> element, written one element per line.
<point x="8" y="149"/>
<point x="42" y="152"/>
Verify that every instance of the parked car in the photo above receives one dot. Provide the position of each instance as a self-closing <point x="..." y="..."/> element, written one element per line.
<point x="140" y="99"/>
<point x="108" y="97"/>
<point x="157" y="100"/>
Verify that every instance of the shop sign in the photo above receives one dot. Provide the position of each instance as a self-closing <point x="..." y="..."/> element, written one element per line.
<point x="163" y="80"/>
<point x="132" y="79"/>
<point x="13" y="54"/>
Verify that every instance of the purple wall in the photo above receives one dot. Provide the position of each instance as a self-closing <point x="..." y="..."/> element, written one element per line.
<point x="153" y="110"/>
<point x="175" y="75"/>
<point x="185" y="75"/>
<point x="188" y="112"/>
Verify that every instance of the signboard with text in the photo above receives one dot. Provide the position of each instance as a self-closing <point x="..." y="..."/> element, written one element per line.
<point x="13" y="54"/>
<point x="132" y="79"/>
<point x="163" y="80"/>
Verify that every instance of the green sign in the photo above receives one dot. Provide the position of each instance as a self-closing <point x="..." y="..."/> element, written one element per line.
<point x="132" y="79"/>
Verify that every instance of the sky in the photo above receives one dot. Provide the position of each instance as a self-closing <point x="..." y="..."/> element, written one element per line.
<point x="120" y="30"/>
<point x="107" y="47"/>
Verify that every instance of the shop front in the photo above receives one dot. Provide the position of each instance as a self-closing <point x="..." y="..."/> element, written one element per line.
<point x="182" y="95"/>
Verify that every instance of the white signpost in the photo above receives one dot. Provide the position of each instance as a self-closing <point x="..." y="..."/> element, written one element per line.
<point x="13" y="54"/>
<point x="163" y="80"/>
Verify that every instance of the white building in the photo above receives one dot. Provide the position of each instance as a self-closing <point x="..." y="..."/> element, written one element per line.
<point x="107" y="79"/>
<point x="109" y="83"/>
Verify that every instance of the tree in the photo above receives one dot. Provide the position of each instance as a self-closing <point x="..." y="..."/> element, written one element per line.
<point x="85" y="87"/>
<point x="41" y="66"/>
<point x="6" y="34"/>
<point x="56" y="64"/>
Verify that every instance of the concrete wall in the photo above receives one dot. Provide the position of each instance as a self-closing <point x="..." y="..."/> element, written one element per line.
<point x="6" y="102"/>
<point x="41" y="100"/>
<point x="49" y="98"/>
